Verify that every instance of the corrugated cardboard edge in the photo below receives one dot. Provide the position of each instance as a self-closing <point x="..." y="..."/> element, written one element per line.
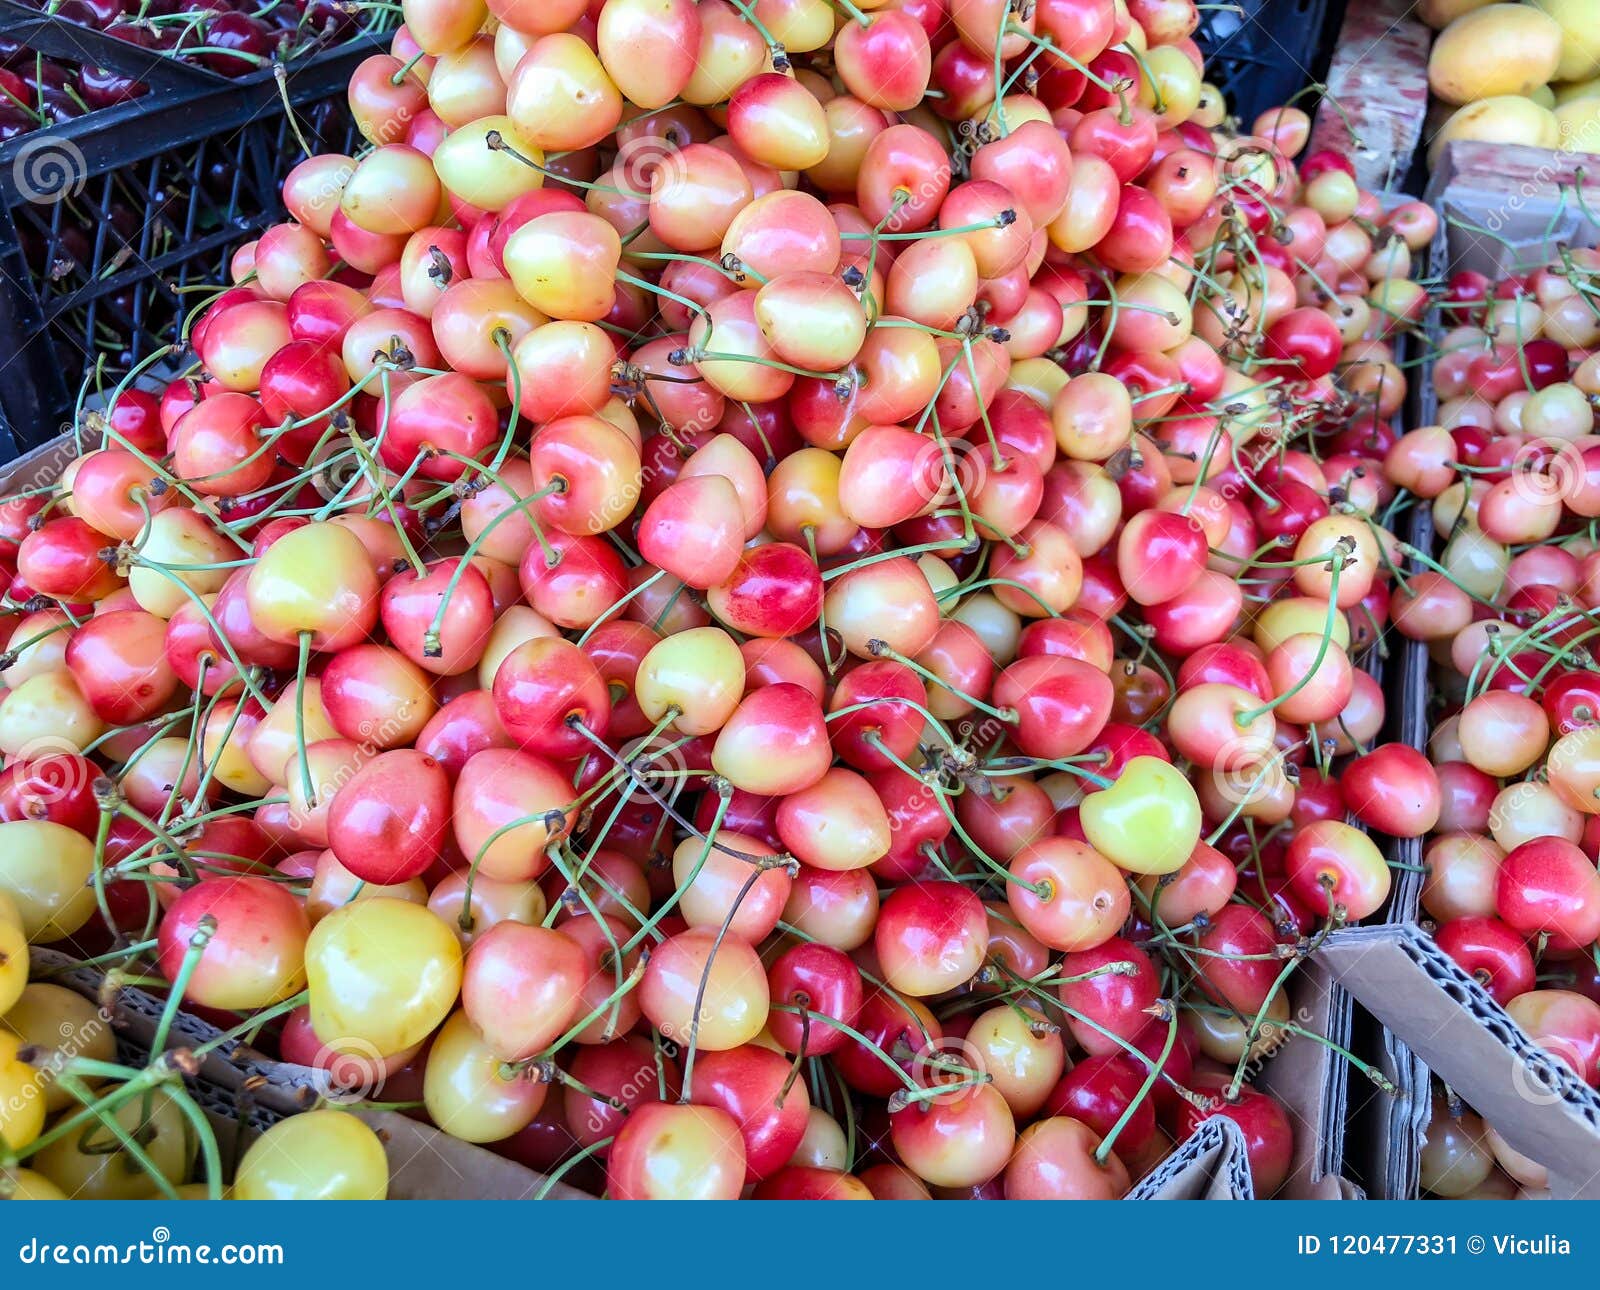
<point x="1312" y="1081"/>
<point x="245" y="1098"/>
<point x="279" y="1087"/>
<point x="1447" y="1019"/>
<point x="43" y="465"/>
<point x="1211" y="1164"/>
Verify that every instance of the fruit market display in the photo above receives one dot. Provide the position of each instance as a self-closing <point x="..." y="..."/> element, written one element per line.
<point x="754" y="599"/>
<point x="1515" y="73"/>
<point x="1507" y="608"/>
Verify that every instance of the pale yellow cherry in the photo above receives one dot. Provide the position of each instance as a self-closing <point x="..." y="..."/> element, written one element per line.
<point x="92" y="1164"/>
<point x="382" y="974"/>
<point x="697" y="677"/>
<point x="45" y="868"/>
<point x="316" y="1155"/>
<point x="470" y="1092"/>
<point x="838" y="823"/>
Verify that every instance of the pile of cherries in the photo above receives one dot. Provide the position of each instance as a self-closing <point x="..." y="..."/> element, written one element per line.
<point x="758" y="598"/>
<point x="1506" y="603"/>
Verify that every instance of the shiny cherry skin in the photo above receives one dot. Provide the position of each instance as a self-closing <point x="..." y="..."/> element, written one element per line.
<point x="1491" y="952"/>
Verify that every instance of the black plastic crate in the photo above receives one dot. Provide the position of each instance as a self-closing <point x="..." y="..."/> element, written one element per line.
<point x="1260" y="53"/>
<point x="106" y="218"/>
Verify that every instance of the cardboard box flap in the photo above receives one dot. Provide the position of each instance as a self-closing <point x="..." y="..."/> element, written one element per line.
<point x="1541" y="1108"/>
<point x="1495" y="230"/>
<point x="1513" y="177"/>
<point x="1396" y="1151"/>
<point x="42" y="465"/>
<point x="424" y="1163"/>
<point x="1310" y="1080"/>
<point x="1211" y="1164"/>
<point x="1377" y="88"/>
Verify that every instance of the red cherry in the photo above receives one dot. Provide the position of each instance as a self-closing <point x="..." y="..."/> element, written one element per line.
<point x="1492" y="952"/>
<point x="626" y="1070"/>
<point x="57" y="787"/>
<point x="1548" y="886"/>
<point x="542" y="689"/>
<point x="753" y="1085"/>
<point x="1393" y="789"/>
<point x="809" y="1182"/>
<point x="676" y="1151"/>
<point x="825" y="984"/>
<point x="1098" y="1090"/>
<point x="1268" y="1134"/>
<point x="1061" y="704"/>
<point x="388" y="823"/>
<point x="931" y="937"/>
<point x="256" y="953"/>
<point x="1238" y="967"/>
<point x="893" y="1027"/>
<point x="1111" y="1001"/>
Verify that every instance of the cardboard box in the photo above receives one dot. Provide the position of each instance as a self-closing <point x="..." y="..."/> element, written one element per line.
<point x="1452" y="1026"/>
<point x="242" y="1101"/>
<point x="1377" y="87"/>
<point x="1513" y="177"/>
<point x="1499" y="212"/>
<point x="1210" y="1165"/>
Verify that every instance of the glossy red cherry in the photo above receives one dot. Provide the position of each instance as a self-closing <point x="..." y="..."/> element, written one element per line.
<point x="387" y="824"/>
<point x="1113" y="1003"/>
<point x="1492" y="952"/>
<point x="752" y="1085"/>
<point x="1268" y="1133"/>
<point x="1548" y="886"/>
<point x="1393" y="789"/>
<point x="1098" y="1091"/>
<point x="821" y="984"/>
<point x="1061" y="704"/>
<point x="544" y="690"/>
